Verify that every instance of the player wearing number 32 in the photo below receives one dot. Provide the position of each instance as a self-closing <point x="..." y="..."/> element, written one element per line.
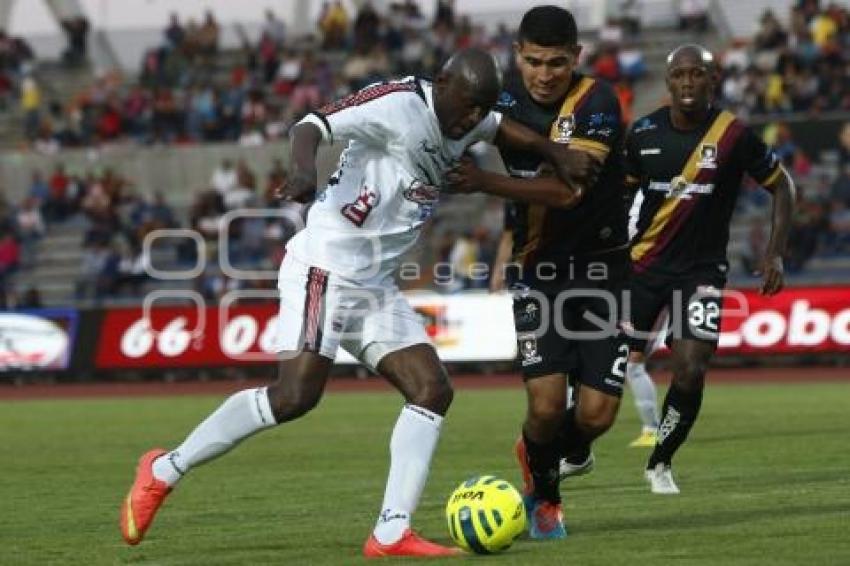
<point x="336" y="282"/>
<point x="687" y="161"/>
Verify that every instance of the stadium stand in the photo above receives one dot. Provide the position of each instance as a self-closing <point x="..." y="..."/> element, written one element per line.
<point x="209" y="102"/>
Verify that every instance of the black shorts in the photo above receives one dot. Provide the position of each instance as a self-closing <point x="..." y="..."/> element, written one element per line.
<point x="693" y="299"/>
<point x="574" y="331"/>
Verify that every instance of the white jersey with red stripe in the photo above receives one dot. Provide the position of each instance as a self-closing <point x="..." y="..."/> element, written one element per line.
<point x="387" y="182"/>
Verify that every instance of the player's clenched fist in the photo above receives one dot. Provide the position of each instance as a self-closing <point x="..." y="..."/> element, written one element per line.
<point x="300" y="186"/>
<point x="574" y="167"/>
<point x="464" y="177"/>
<point x="773" y="277"/>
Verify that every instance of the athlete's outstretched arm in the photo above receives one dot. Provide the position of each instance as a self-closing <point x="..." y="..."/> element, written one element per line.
<point x="576" y="168"/>
<point x="466" y="177"/>
<point x="784" y="196"/>
<point x="503" y="256"/>
<point x="304" y="142"/>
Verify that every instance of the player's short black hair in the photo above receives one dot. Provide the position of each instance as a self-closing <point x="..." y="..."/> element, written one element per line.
<point x="548" y="26"/>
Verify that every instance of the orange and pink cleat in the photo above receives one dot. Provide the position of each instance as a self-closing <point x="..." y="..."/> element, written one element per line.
<point x="410" y="544"/>
<point x="144" y="498"/>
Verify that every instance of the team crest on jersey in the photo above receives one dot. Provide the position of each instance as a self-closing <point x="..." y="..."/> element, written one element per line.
<point x="528" y="316"/>
<point x="420" y="193"/>
<point x="528" y="349"/>
<point x="707" y="156"/>
<point x="359" y="210"/>
<point x="426" y="196"/>
<point x="565" y="127"/>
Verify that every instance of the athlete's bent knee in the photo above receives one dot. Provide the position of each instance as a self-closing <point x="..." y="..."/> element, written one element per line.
<point x="689" y="375"/>
<point x="292" y="406"/>
<point x="546" y="412"/>
<point x="596" y="421"/>
<point x="436" y="396"/>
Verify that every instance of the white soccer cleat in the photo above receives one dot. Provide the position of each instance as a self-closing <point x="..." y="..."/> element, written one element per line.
<point x="568" y="470"/>
<point x="660" y="479"/>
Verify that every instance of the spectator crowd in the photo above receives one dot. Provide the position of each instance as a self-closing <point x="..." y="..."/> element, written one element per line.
<point x="801" y="67"/>
<point x="189" y="90"/>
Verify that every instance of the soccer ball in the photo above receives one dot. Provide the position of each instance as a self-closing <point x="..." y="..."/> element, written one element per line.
<point x="485" y="515"/>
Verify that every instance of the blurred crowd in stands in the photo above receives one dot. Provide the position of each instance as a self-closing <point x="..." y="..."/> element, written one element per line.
<point x="801" y="67"/>
<point x="16" y="57"/>
<point x="189" y="90"/>
<point x="797" y="71"/>
<point x="114" y="219"/>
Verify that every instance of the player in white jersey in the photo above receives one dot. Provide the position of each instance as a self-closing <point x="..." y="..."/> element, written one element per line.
<point x="639" y="380"/>
<point x="336" y="284"/>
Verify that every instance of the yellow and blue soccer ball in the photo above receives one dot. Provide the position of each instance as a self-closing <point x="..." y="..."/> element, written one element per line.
<point x="485" y="515"/>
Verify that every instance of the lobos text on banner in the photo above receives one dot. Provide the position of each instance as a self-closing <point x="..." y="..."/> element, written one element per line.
<point x="798" y="320"/>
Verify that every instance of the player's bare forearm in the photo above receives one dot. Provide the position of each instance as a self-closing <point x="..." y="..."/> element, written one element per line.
<point x="301" y="183"/>
<point x="514" y="135"/>
<point x="548" y="191"/>
<point x="575" y="168"/>
<point x="784" y="195"/>
<point x="772" y="270"/>
<point x="503" y="254"/>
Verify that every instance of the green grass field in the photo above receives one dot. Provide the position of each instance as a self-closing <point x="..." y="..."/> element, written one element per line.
<point x="765" y="479"/>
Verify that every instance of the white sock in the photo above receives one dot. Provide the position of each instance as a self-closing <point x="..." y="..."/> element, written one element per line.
<point x="240" y="416"/>
<point x="643" y="389"/>
<point x="412" y="444"/>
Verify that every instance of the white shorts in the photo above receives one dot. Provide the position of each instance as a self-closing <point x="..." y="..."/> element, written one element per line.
<point x="319" y="312"/>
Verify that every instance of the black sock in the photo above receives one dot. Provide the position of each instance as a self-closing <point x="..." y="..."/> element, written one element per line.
<point x="678" y="414"/>
<point x="543" y="462"/>
<point x="575" y="446"/>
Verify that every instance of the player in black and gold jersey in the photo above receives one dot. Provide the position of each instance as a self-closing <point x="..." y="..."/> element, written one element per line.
<point x="687" y="160"/>
<point x="569" y="254"/>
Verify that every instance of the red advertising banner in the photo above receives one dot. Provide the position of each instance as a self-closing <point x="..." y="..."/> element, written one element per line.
<point x="186" y="337"/>
<point x="800" y="320"/>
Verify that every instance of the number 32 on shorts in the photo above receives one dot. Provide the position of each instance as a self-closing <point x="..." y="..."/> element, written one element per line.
<point x="704" y="315"/>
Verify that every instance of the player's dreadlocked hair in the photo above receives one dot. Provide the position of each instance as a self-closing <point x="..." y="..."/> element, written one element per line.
<point x="548" y="26"/>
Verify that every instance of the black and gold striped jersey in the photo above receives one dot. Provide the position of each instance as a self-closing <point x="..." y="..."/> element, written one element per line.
<point x="688" y="183"/>
<point x="587" y="117"/>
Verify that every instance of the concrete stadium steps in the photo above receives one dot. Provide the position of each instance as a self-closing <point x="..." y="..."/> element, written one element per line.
<point x="63" y="83"/>
<point x="59" y="257"/>
<point x="829" y="263"/>
<point x="56" y="83"/>
<point x="743" y="16"/>
<point x="12" y="127"/>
